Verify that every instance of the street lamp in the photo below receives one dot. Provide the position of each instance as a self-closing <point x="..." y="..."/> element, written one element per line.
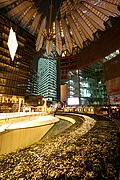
<point x="45" y="104"/>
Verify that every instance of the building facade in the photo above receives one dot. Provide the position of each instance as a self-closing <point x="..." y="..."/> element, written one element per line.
<point x="14" y="74"/>
<point x="47" y="79"/>
<point x="88" y="86"/>
<point x="97" y="84"/>
<point x="112" y="77"/>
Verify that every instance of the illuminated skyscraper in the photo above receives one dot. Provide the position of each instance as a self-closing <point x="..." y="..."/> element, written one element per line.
<point x="47" y="79"/>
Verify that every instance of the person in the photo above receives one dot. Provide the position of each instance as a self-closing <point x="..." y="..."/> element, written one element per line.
<point x="55" y="111"/>
<point x="110" y="112"/>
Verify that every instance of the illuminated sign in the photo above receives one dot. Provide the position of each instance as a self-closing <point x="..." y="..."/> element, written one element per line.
<point x="12" y="43"/>
<point x="73" y="101"/>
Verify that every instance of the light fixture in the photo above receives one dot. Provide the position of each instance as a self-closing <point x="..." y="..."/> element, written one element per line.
<point x="45" y="104"/>
<point x="48" y="32"/>
<point x="12" y="43"/>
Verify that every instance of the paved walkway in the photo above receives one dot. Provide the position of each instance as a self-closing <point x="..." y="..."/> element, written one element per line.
<point x="117" y="121"/>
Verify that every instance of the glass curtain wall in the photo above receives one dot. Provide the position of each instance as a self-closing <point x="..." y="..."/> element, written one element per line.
<point x="47" y="78"/>
<point x="88" y="84"/>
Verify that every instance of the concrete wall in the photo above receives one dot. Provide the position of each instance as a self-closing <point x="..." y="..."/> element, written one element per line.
<point x="12" y="140"/>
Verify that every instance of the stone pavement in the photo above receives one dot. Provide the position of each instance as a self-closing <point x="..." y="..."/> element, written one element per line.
<point x="68" y="155"/>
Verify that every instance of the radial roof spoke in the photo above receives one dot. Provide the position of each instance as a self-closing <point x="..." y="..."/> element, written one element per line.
<point x="73" y="22"/>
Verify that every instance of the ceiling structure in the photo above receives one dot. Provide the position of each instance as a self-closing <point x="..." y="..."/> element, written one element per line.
<point x="67" y="24"/>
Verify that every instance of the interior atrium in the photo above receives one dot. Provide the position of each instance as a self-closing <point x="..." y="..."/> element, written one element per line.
<point x="59" y="89"/>
<point x="78" y="37"/>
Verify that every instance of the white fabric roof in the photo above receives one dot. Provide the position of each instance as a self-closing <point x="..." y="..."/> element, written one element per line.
<point x="74" y="23"/>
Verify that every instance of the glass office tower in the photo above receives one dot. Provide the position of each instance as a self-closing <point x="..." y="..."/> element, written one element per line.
<point x="88" y="84"/>
<point x="47" y="78"/>
<point x="14" y="72"/>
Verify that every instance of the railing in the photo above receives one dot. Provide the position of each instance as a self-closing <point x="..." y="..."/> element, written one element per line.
<point x="6" y="119"/>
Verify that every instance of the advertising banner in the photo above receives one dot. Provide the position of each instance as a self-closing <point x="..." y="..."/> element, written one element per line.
<point x="115" y="99"/>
